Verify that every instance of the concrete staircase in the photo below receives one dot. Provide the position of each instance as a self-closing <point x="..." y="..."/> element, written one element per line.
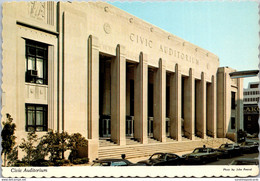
<point x="142" y="150"/>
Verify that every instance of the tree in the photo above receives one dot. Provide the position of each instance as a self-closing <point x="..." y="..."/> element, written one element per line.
<point x="56" y="144"/>
<point x="8" y="138"/>
<point x="13" y="157"/>
<point x="28" y="147"/>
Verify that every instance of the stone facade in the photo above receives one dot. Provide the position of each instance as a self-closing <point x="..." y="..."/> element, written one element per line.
<point x="106" y="68"/>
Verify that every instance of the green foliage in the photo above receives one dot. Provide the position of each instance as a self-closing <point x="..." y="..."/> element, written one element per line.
<point x="80" y="161"/>
<point x="60" y="162"/>
<point x="28" y="146"/>
<point x="56" y="144"/>
<point x="21" y="164"/>
<point x="76" y="140"/>
<point x="12" y="157"/>
<point x="8" y="138"/>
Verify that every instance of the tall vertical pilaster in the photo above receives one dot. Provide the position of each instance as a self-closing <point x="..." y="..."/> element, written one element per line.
<point x="175" y="104"/>
<point x="201" y="107"/>
<point x="93" y="97"/>
<point x="189" y="105"/>
<point x="140" y="102"/>
<point x="118" y="83"/>
<point x="159" y="129"/>
<point x="240" y="116"/>
<point x="212" y="108"/>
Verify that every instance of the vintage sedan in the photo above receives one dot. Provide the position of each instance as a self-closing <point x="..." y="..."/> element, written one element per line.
<point x="201" y="155"/>
<point x="229" y="150"/>
<point x="162" y="159"/>
<point x="249" y="147"/>
<point x="114" y="162"/>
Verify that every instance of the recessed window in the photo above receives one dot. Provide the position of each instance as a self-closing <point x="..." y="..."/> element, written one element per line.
<point x="36" y="117"/>
<point x="233" y="100"/>
<point x="36" y="70"/>
<point x="233" y="123"/>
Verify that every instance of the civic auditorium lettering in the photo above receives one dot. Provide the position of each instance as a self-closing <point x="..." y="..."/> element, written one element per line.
<point x="169" y="51"/>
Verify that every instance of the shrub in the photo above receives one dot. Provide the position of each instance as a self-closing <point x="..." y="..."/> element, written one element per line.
<point x="55" y="143"/>
<point x="12" y="157"/>
<point x="8" y="138"/>
<point x="76" y="140"/>
<point x="60" y="162"/>
<point x="28" y="147"/>
<point x="80" y="161"/>
<point x="41" y="162"/>
<point x="21" y="164"/>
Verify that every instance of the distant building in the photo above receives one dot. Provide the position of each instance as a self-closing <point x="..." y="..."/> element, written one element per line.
<point x="251" y="109"/>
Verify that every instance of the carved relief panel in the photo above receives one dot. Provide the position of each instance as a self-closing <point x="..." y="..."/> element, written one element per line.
<point x="42" y="11"/>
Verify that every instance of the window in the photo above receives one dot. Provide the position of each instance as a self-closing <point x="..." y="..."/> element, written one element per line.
<point x="254" y="86"/>
<point x="233" y="123"/>
<point x="233" y="100"/>
<point x="36" y="70"/>
<point x="36" y="117"/>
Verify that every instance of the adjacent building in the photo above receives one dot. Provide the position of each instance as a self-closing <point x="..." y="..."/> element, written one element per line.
<point x="94" y="69"/>
<point x="251" y="109"/>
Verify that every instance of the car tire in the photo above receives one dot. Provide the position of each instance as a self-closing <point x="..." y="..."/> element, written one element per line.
<point x="203" y="161"/>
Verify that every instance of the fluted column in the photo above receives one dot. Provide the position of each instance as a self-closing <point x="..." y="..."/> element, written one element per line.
<point x="140" y="102"/>
<point x="118" y="84"/>
<point x="159" y="124"/>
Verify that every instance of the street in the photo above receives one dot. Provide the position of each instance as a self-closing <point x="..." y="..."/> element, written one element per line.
<point x="226" y="161"/>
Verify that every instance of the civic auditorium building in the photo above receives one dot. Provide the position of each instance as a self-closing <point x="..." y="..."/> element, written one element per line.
<point x="126" y="85"/>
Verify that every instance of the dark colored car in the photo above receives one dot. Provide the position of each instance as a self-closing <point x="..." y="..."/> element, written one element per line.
<point x="201" y="155"/>
<point x="249" y="147"/>
<point x="114" y="162"/>
<point x="162" y="159"/>
<point x="245" y="161"/>
<point x="229" y="150"/>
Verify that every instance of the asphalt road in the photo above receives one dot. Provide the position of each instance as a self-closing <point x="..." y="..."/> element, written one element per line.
<point x="227" y="161"/>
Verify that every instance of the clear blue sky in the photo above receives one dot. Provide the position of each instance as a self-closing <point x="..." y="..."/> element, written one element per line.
<point x="227" y="29"/>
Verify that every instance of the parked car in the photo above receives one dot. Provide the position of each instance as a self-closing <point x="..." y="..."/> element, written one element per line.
<point x="201" y="155"/>
<point x="245" y="161"/>
<point x="249" y="147"/>
<point x="229" y="150"/>
<point x="114" y="162"/>
<point x="162" y="159"/>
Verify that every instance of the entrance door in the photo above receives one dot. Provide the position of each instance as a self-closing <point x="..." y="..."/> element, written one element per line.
<point x="129" y="126"/>
<point x="105" y="128"/>
<point x="150" y="127"/>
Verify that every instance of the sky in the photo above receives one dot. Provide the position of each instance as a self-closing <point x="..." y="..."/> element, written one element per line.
<point x="227" y="29"/>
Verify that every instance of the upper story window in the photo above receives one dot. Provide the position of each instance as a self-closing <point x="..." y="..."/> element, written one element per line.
<point x="36" y="70"/>
<point x="254" y="85"/>
<point x="233" y="100"/>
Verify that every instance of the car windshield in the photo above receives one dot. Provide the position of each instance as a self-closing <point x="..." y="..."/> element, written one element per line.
<point x="226" y="146"/>
<point x="200" y="150"/>
<point x="101" y="164"/>
<point x="157" y="156"/>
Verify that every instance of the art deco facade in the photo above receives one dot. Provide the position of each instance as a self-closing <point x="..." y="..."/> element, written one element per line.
<point x="97" y="70"/>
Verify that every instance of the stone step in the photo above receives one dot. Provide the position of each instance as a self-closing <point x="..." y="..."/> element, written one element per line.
<point x="148" y="149"/>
